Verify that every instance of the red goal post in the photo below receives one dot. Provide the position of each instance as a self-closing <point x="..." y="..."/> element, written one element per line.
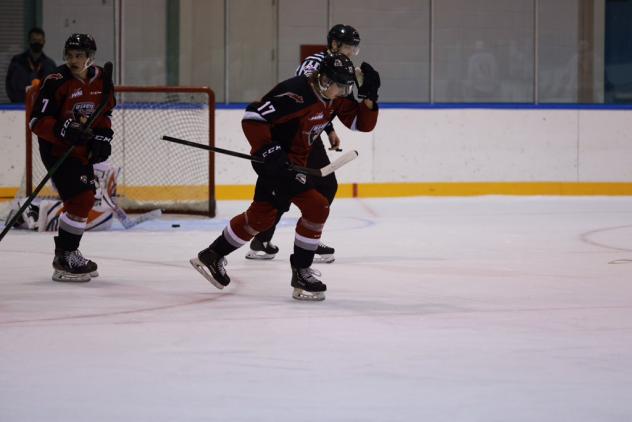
<point x="153" y="173"/>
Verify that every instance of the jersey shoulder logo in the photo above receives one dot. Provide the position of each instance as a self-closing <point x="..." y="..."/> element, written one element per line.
<point x="297" y="98"/>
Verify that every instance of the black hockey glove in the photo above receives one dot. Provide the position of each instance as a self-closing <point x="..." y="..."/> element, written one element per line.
<point x="371" y="83"/>
<point x="275" y="160"/>
<point x="74" y="133"/>
<point x="101" y="145"/>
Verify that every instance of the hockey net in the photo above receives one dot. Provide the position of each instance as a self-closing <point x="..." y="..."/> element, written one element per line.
<point x="154" y="174"/>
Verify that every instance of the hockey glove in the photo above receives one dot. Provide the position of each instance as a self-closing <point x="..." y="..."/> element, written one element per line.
<point x="371" y="83"/>
<point x="101" y="145"/>
<point x="74" y="133"/>
<point x="275" y="161"/>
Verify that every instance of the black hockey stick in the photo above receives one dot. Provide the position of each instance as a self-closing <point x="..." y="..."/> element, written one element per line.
<point x="321" y="172"/>
<point x="107" y="90"/>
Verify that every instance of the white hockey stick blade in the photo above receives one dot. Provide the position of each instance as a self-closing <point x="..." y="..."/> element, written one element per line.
<point x="148" y="216"/>
<point x="128" y="222"/>
<point x="151" y="215"/>
<point x="336" y="164"/>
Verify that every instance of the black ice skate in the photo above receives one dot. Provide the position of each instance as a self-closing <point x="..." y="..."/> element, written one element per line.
<point x="324" y="254"/>
<point x="261" y="250"/>
<point x="306" y="286"/>
<point x="72" y="266"/>
<point x="207" y="259"/>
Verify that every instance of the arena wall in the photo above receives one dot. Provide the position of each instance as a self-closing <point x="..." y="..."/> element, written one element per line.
<point x="434" y="151"/>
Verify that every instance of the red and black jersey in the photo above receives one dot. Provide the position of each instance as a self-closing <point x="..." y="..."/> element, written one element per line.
<point x="294" y="115"/>
<point x="64" y="96"/>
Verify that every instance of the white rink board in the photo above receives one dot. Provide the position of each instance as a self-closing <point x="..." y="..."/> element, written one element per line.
<point x="605" y="147"/>
<point x="12" y="152"/>
<point x="426" y="145"/>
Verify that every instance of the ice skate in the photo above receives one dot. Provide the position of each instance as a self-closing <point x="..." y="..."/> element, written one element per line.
<point x="73" y="267"/>
<point x="261" y="250"/>
<point x="306" y="286"/>
<point x="324" y="254"/>
<point x="211" y="266"/>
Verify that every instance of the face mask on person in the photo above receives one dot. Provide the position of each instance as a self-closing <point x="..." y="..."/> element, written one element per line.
<point x="36" y="47"/>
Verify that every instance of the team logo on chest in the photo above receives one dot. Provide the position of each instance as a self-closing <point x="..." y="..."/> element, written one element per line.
<point x="84" y="110"/>
<point x="314" y="132"/>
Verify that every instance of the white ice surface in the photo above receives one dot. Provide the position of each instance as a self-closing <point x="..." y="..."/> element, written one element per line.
<point x="476" y="309"/>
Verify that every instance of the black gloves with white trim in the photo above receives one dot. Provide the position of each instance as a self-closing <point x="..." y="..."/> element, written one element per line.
<point x="73" y="132"/>
<point x="101" y="145"/>
<point x="98" y="139"/>
<point x="275" y="161"/>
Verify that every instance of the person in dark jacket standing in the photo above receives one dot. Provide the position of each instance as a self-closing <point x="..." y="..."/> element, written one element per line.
<point x="32" y="64"/>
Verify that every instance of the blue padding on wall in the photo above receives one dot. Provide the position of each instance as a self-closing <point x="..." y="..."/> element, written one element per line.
<point x="489" y="106"/>
<point x="413" y="106"/>
<point x="507" y="106"/>
<point x="11" y="107"/>
<point x="161" y="106"/>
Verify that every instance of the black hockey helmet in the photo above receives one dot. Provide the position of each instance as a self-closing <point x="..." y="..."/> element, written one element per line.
<point x="337" y="68"/>
<point x="83" y="42"/>
<point x="345" y="34"/>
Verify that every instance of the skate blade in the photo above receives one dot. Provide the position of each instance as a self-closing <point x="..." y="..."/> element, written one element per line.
<point x="63" y="276"/>
<point x="201" y="268"/>
<point x="300" y="294"/>
<point x="259" y="255"/>
<point x="324" y="259"/>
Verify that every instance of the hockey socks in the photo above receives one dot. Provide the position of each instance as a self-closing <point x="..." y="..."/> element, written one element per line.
<point x="221" y="246"/>
<point x="70" y="232"/>
<point x="301" y="258"/>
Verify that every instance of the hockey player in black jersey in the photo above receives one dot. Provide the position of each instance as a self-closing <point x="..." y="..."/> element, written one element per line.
<point x="343" y="39"/>
<point x="282" y="128"/>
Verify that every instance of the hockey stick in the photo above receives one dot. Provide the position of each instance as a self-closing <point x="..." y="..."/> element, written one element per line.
<point x="107" y="90"/>
<point x="321" y="172"/>
<point x="126" y="221"/>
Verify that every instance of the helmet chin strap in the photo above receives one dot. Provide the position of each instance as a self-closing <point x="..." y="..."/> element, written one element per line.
<point x="89" y="62"/>
<point x="322" y="88"/>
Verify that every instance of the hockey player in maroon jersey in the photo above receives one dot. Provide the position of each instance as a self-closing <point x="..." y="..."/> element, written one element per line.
<point x="281" y="129"/>
<point x="67" y="98"/>
<point x="343" y="39"/>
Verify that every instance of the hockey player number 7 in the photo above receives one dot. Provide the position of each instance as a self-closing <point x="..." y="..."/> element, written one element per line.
<point x="107" y="90"/>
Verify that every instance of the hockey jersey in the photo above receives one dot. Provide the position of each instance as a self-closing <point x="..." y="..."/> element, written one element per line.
<point x="64" y="96"/>
<point x="293" y="115"/>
